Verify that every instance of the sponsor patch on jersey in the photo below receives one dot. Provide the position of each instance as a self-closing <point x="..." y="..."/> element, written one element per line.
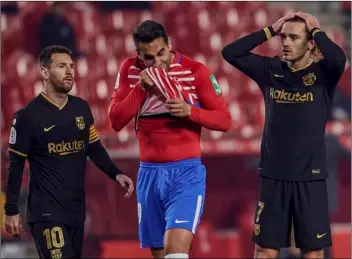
<point x="13" y="135"/>
<point x="215" y="84"/>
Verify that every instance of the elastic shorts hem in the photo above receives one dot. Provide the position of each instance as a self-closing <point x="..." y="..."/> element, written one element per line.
<point x="267" y="246"/>
<point x="171" y="227"/>
<point x="151" y="245"/>
<point x="313" y="248"/>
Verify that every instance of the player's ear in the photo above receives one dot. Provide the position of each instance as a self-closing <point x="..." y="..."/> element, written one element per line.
<point x="311" y="44"/>
<point x="169" y="43"/>
<point x="44" y="73"/>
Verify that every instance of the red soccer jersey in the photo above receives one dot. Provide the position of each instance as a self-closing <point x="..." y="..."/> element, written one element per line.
<point x="167" y="138"/>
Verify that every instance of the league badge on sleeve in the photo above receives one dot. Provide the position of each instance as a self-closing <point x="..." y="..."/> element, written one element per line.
<point x="215" y="84"/>
<point x="13" y="135"/>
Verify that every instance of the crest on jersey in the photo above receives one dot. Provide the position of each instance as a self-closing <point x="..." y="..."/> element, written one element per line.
<point x="80" y="123"/>
<point x="309" y="79"/>
<point x="215" y="84"/>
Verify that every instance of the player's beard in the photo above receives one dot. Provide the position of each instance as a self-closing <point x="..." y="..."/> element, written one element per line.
<point x="63" y="86"/>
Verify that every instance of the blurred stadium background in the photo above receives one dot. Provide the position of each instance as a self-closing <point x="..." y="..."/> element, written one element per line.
<point x="100" y="35"/>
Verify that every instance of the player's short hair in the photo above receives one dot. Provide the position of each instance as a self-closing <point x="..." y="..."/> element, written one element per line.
<point x="45" y="55"/>
<point x="148" y="31"/>
<point x="300" y="20"/>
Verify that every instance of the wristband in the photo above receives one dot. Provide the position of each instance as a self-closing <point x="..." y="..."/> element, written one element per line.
<point x="314" y="31"/>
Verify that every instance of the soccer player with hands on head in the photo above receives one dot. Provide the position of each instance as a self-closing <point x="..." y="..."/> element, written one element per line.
<point x="298" y="90"/>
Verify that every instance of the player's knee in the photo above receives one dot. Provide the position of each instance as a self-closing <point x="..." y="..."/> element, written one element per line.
<point x="177" y="241"/>
<point x="264" y="253"/>
<point x="157" y="252"/>
<point x="313" y="253"/>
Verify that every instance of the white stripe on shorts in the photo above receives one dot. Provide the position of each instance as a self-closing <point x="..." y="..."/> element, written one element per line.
<point x="196" y="216"/>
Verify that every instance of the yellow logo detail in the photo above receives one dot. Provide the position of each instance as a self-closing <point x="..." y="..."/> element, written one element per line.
<point x="256" y="229"/>
<point x="80" y="123"/>
<point x="320" y="236"/>
<point x="281" y="96"/>
<point x="56" y="254"/>
<point x="316" y="171"/>
<point x="66" y="148"/>
<point x="47" y="129"/>
<point x="309" y="79"/>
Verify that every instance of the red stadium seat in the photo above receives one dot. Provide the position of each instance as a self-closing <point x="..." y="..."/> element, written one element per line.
<point x="199" y="30"/>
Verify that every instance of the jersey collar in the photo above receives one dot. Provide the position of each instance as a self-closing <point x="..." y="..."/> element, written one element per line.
<point x="47" y="99"/>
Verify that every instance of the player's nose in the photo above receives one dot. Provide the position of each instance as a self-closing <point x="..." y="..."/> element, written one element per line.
<point x="157" y="62"/>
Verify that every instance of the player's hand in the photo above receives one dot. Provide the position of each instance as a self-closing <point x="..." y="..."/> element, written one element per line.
<point x="278" y="25"/>
<point x="311" y="21"/>
<point x="13" y="225"/>
<point x="145" y="81"/>
<point x="178" y="107"/>
<point x="126" y="183"/>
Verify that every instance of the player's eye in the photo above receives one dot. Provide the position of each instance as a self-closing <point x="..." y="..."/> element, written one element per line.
<point x="161" y="53"/>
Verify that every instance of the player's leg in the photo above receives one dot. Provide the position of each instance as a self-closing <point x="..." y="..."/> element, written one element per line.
<point x="183" y="202"/>
<point x="311" y="218"/>
<point x="52" y="240"/>
<point x="272" y="221"/>
<point x="77" y="237"/>
<point x="151" y="217"/>
<point x="158" y="252"/>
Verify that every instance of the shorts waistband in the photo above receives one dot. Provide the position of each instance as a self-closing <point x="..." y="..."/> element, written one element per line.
<point x="185" y="162"/>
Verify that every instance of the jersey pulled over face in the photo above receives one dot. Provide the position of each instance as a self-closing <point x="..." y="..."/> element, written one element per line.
<point x="156" y="53"/>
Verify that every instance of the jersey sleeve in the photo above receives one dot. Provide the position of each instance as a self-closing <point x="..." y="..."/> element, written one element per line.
<point x="98" y="154"/>
<point x="93" y="134"/>
<point x="334" y="59"/>
<point x="213" y="113"/>
<point x="125" y="96"/>
<point x="22" y="133"/>
<point x="239" y="55"/>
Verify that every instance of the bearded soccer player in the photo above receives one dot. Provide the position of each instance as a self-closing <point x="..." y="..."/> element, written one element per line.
<point x="298" y="93"/>
<point x="56" y="133"/>
<point x="172" y="98"/>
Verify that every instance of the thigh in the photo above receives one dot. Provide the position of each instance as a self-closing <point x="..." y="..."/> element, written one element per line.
<point x="77" y="236"/>
<point x="52" y="240"/>
<point x="273" y="217"/>
<point x="151" y="217"/>
<point x="311" y="215"/>
<point x="185" y="199"/>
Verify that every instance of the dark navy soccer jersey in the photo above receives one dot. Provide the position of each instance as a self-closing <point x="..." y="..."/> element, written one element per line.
<point x="56" y="141"/>
<point x="297" y="105"/>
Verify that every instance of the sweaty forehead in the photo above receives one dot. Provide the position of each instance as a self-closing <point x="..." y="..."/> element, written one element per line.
<point x="153" y="47"/>
<point x="60" y="58"/>
<point x="297" y="28"/>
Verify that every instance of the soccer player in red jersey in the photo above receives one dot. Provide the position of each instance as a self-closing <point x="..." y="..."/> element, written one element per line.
<point x="171" y="98"/>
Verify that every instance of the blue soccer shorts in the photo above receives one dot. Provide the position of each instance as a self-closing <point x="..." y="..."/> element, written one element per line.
<point x="169" y="195"/>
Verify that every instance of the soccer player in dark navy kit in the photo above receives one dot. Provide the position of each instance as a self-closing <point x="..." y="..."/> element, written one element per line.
<point x="56" y="133"/>
<point x="298" y="93"/>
